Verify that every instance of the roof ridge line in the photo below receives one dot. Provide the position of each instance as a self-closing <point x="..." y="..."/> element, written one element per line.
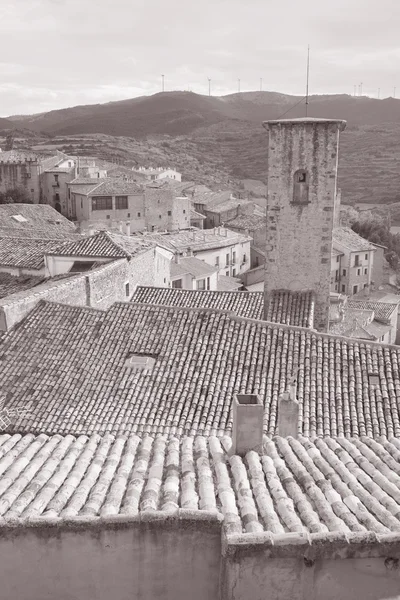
<point x="115" y="244"/>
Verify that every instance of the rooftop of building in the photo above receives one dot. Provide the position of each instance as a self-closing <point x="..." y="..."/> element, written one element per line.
<point x="349" y="239"/>
<point x="72" y="366"/>
<point x="11" y="284"/>
<point x="382" y="310"/>
<point x="104" y="244"/>
<point x="210" y="197"/>
<point x="305" y="120"/>
<point x="293" y="491"/>
<point x="195" y="216"/>
<point x="219" y="207"/>
<point x="51" y="162"/>
<point x="191" y="266"/>
<point x="17" y="156"/>
<point x="199" y="239"/>
<point x="228" y="284"/>
<point x="250" y="222"/>
<point x="104" y="186"/>
<point x="39" y="220"/>
<point x="25" y="253"/>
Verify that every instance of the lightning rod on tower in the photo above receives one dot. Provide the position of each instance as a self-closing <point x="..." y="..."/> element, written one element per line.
<point x="308" y="76"/>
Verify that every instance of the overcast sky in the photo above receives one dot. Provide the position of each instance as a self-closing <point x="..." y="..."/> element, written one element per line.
<point x="60" y="53"/>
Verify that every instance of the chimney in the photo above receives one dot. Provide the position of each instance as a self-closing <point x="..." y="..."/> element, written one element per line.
<point x="128" y="228"/>
<point x="90" y="230"/>
<point x="121" y="227"/>
<point x="288" y="412"/>
<point x="247" y="433"/>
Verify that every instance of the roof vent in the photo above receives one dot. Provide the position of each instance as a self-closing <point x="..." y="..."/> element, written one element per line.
<point x="288" y="410"/>
<point x="140" y="362"/>
<point x="247" y="434"/>
<point x="19" y="219"/>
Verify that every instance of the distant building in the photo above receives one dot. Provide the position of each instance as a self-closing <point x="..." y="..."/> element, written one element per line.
<point x="20" y="169"/>
<point x="356" y="259"/>
<point x="190" y="273"/>
<point x="153" y="174"/>
<point x="226" y="250"/>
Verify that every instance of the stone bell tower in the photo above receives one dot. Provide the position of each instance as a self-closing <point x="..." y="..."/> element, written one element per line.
<point x="301" y="199"/>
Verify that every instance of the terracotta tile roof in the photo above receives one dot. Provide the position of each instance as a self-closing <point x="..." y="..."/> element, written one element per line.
<point x="193" y="266"/>
<point x="243" y="304"/>
<point x="228" y="284"/>
<point x="197" y="240"/>
<point x="69" y="363"/>
<point x="103" y="245"/>
<point x="25" y="253"/>
<point x="294" y="488"/>
<point x="207" y="197"/>
<point x="250" y="222"/>
<point x="10" y="284"/>
<point x="115" y="187"/>
<point x="382" y="310"/>
<point x="219" y="207"/>
<point x="344" y="236"/>
<point x="292" y="308"/>
<point x="40" y="219"/>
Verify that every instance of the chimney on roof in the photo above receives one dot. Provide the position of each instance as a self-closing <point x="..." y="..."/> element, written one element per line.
<point x="91" y="230"/>
<point x="288" y="412"/>
<point x="247" y="432"/>
<point x="128" y="228"/>
<point x="121" y="227"/>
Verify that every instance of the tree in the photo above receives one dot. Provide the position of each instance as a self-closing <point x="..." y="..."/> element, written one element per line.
<point x="17" y="195"/>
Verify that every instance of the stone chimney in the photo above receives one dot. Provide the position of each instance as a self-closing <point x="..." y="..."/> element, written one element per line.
<point x="128" y="228"/>
<point x="247" y="433"/>
<point x="288" y="412"/>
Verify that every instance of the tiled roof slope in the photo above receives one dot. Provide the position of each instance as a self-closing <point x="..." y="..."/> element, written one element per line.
<point x="382" y="310"/>
<point x="10" y="284"/>
<point x="41" y="219"/>
<point x="292" y="308"/>
<point x="302" y="487"/>
<point x="192" y="265"/>
<point x="204" y="239"/>
<point x="104" y="245"/>
<point x="243" y="304"/>
<point x="344" y="236"/>
<point x="25" y="253"/>
<point x="250" y="222"/>
<point x="69" y="365"/>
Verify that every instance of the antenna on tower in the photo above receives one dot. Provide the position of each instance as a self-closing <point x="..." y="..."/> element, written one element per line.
<point x="209" y="86"/>
<point x="260" y="84"/>
<point x="162" y="82"/>
<point x="308" y="77"/>
<point x="239" y="86"/>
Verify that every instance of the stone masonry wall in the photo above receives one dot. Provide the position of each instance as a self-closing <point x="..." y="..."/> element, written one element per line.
<point x="25" y="175"/>
<point x="299" y="236"/>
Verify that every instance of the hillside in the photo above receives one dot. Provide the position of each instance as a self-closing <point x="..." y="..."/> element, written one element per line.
<point x="217" y="138"/>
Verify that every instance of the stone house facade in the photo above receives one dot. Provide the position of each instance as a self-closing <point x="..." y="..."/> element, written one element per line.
<point x="356" y="262"/>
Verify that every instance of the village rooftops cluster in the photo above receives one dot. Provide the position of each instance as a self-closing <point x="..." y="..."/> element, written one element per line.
<point x="75" y="369"/>
<point x="204" y="239"/>
<point x="25" y="253"/>
<point x="293" y="492"/>
<point x="10" y="284"/>
<point x="104" y="244"/>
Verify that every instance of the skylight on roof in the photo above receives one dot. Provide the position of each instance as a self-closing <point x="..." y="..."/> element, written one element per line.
<point x="140" y="362"/>
<point x="19" y="218"/>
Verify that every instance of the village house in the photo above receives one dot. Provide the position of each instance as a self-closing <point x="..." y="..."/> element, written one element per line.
<point x="155" y="174"/>
<point x="190" y="273"/>
<point x="226" y="250"/>
<point x="262" y="454"/>
<point x="20" y="169"/>
<point x="356" y="261"/>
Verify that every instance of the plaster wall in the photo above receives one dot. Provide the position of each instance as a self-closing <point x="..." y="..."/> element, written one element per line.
<point x="168" y="560"/>
<point x="164" y="211"/>
<point x="355" y="275"/>
<point x="50" y="189"/>
<point x="299" y="235"/>
<point x="210" y="257"/>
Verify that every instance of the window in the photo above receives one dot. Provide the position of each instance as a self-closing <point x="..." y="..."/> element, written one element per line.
<point x="233" y="257"/>
<point x="300" y="187"/>
<point x="121" y="202"/>
<point x="217" y="261"/>
<point x="356" y="260"/>
<point x="56" y="179"/>
<point x="365" y="271"/>
<point x="208" y="283"/>
<point x="233" y="272"/>
<point x="344" y="272"/>
<point x="107" y="216"/>
<point x="138" y="214"/>
<point x="358" y="272"/>
<point x="184" y="211"/>
<point x="81" y="204"/>
<point x="127" y="290"/>
<point x="365" y="285"/>
<point x="244" y="258"/>
<point x="159" y="216"/>
<point x="169" y="213"/>
<point x="355" y="289"/>
<point x="69" y="163"/>
<point x="336" y="287"/>
<point x="257" y="261"/>
<point x="102" y="203"/>
<point x="337" y="259"/>
<point x="343" y="288"/>
<point x="227" y="273"/>
<point x="227" y="260"/>
<point x="129" y="214"/>
<point x="337" y="275"/>
<point x="152" y="227"/>
<point x="201" y="284"/>
<point x="366" y="257"/>
<point x="177" y="284"/>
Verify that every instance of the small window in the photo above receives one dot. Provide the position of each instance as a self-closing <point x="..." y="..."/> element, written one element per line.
<point x="227" y="260"/>
<point x="227" y="273"/>
<point x="201" y="284"/>
<point x="56" y="178"/>
<point x="129" y="214"/>
<point x="244" y="258"/>
<point x="217" y="261"/>
<point x="300" y="187"/>
<point x="108" y="216"/>
<point x="355" y="289"/>
<point x="366" y="257"/>
<point x="365" y="285"/>
<point x="169" y="213"/>
<point x="208" y="283"/>
<point x="233" y="272"/>
<point x="127" y="290"/>
<point x="343" y="288"/>
<point x="152" y="227"/>
<point x="233" y="257"/>
<point x="358" y="272"/>
<point x="177" y="284"/>
<point x="138" y="215"/>
<point x="344" y="272"/>
<point x="184" y="211"/>
<point x="337" y="259"/>
<point x="356" y="260"/>
<point x="159" y="216"/>
<point x="121" y="202"/>
<point x="336" y="287"/>
<point x="365" y="271"/>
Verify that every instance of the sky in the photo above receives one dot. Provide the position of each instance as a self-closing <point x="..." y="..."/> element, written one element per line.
<point x="61" y="53"/>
